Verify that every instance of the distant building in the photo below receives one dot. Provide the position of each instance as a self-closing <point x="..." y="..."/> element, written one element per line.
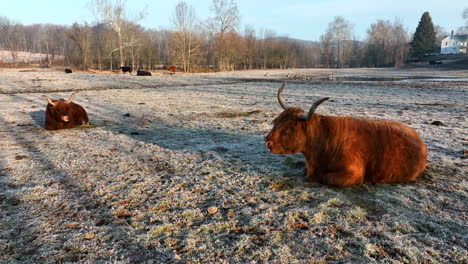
<point x="454" y="44"/>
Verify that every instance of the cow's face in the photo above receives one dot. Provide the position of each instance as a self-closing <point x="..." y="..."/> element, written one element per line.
<point x="61" y="110"/>
<point x="288" y="134"/>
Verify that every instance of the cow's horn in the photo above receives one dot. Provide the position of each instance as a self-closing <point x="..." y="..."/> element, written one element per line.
<point x="281" y="98"/>
<point x="71" y="98"/>
<point x="48" y="100"/>
<point x="312" y="109"/>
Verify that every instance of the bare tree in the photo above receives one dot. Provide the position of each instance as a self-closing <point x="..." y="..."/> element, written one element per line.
<point x="82" y="38"/>
<point x="464" y="29"/>
<point x="185" y="42"/>
<point x="114" y="14"/>
<point x="340" y="31"/>
<point x="12" y="37"/>
<point x="223" y="25"/>
<point x="250" y="44"/>
<point x="51" y="38"/>
<point x="326" y="49"/>
<point x="387" y="44"/>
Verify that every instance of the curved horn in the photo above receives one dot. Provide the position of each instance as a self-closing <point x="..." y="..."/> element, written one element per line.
<point x="312" y="109"/>
<point x="71" y="97"/>
<point x="281" y="98"/>
<point x="48" y="100"/>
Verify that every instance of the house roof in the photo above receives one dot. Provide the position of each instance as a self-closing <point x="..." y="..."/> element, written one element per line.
<point x="461" y="38"/>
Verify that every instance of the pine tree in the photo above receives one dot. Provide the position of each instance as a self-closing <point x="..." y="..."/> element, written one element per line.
<point x="424" y="37"/>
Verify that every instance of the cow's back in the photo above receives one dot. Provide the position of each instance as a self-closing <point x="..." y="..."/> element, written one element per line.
<point x="386" y="151"/>
<point x="399" y="154"/>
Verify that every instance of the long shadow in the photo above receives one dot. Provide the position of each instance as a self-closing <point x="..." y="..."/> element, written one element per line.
<point x="82" y="198"/>
<point x="15" y="230"/>
<point x="38" y="117"/>
<point x="244" y="151"/>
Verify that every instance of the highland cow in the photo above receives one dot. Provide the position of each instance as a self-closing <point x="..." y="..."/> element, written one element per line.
<point x="126" y="69"/>
<point x="143" y="73"/>
<point x="172" y="69"/>
<point x="343" y="151"/>
<point x="64" y="114"/>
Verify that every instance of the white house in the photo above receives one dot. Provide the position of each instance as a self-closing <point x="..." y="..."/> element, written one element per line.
<point x="454" y="44"/>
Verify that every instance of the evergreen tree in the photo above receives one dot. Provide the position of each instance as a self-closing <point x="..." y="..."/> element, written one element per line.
<point x="424" y="37"/>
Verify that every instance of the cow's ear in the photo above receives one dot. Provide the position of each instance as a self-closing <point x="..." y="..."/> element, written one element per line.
<point x="49" y="100"/>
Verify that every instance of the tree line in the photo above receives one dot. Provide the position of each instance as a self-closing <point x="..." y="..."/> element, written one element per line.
<point x="217" y="43"/>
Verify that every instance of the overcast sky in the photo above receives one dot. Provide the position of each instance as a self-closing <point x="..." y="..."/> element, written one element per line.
<point x="302" y="19"/>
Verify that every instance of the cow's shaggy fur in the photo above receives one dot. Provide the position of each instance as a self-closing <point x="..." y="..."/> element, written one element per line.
<point x="172" y="69"/>
<point x="64" y="114"/>
<point x="143" y="73"/>
<point x="342" y="151"/>
<point x="126" y="69"/>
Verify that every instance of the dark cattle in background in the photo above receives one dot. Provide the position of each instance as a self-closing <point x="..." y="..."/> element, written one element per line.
<point x="342" y="151"/>
<point x="143" y="73"/>
<point x="64" y="114"/>
<point x="68" y="70"/>
<point x="126" y="69"/>
<point x="172" y="69"/>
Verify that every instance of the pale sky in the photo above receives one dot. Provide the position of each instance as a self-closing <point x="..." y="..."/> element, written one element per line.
<point x="302" y="19"/>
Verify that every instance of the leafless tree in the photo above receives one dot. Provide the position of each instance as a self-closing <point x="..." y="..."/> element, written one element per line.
<point x="326" y="42"/>
<point x="113" y="12"/>
<point x="250" y="43"/>
<point x="224" y="28"/>
<point x="185" y="44"/>
<point x="51" y="38"/>
<point x="387" y="44"/>
<point x="12" y="37"/>
<point x="340" y="31"/>
<point x="464" y="29"/>
<point x="81" y="35"/>
<point x="440" y="34"/>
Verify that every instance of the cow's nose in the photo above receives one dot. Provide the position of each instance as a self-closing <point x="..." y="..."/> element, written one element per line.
<point x="268" y="144"/>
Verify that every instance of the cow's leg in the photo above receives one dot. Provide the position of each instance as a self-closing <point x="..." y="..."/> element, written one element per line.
<point x="343" y="177"/>
<point x="310" y="173"/>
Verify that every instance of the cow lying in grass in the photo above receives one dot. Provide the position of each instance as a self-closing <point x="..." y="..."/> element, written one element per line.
<point x="143" y="73"/>
<point x="64" y="114"/>
<point x="172" y="69"/>
<point x="126" y="69"/>
<point x="342" y="151"/>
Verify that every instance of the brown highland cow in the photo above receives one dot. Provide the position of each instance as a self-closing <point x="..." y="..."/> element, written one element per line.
<point x="342" y="151"/>
<point x="64" y="114"/>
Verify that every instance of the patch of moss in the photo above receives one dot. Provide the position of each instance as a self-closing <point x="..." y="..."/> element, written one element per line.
<point x="280" y="185"/>
<point x="235" y="114"/>
<point x="293" y="163"/>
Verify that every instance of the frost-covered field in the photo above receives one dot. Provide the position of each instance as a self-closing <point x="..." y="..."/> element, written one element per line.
<point x="174" y="169"/>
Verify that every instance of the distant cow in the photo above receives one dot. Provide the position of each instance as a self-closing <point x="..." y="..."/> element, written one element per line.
<point x="68" y="70"/>
<point x="432" y="62"/>
<point x="64" y="114"/>
<point x="126" y="69"/>
<point x="172" y="69"/>
<point x="342" y="151"/>
<point x="143" y="73"/>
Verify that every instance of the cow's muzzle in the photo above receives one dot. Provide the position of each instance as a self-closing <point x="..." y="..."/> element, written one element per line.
<point x="65" y="118"/>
